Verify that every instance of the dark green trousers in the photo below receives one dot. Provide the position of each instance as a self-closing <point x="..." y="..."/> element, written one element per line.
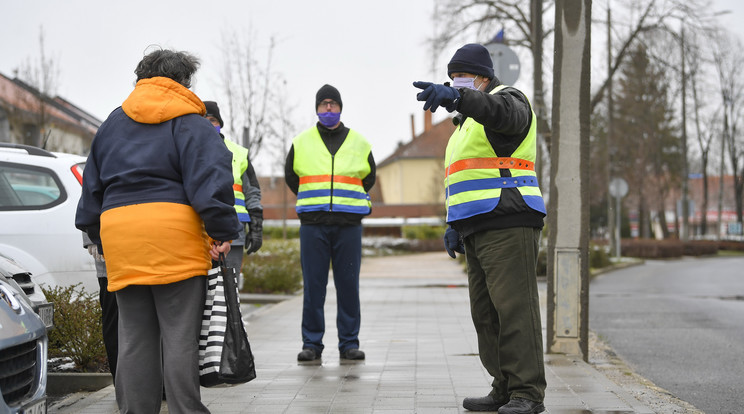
<point x="505" y="308"/>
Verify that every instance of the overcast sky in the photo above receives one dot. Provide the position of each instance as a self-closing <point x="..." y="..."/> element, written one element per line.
<point x="371" y="51"/>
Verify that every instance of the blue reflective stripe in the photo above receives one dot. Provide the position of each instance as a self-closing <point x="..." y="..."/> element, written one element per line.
<point x="244" y="217"/>
<point x="314" y="207"/>
<point x="535" y="203"/>
<point x="239" y="202"/>
<point x="491" y="183"/>
<point x="349" y="194"/>
<point x="338" y="208"/>
<point x="471" y="208"/>
<point x="327" y="193"/>
<point x="313" y="193"/>
<point x="343" y="208"/>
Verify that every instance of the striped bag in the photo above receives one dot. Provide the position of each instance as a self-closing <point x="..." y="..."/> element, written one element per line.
<point x="225" y="355"/>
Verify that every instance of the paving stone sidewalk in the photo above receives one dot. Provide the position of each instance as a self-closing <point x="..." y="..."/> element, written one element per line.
<point x="421" y="355"/>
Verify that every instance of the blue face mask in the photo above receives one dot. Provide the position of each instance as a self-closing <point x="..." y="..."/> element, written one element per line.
<point x="465" y="83"/>
<point x="217" y="127"/>
<point x="329" y="119"/>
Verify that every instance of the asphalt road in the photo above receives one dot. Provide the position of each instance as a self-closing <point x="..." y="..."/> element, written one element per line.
<point x="679" y="324"/>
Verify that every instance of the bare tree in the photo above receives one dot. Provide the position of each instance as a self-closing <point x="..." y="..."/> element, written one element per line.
<point x="729" y="59"/>
<point x="705" y="137"/>
<point x="285" y="130"/>
<point x="248" y="89"/>
<point x="481" y="18"/>
<point x="649" y="150"/>
<point x="458" y="20"/>
<point x="42" y="76"/>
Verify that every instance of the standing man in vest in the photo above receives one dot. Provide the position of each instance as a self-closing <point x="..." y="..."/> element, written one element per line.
<point x="331" y="170"/>
<point x="247" y="197"/>
<point x="495" y="211"/>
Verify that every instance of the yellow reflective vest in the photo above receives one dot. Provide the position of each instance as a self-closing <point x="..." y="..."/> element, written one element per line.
<point x="239" y="166"/>
<point x="473" y="180"/>
<point x="331" y="182"/>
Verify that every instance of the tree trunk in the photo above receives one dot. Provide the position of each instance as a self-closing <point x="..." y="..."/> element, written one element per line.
<point x="704" y="207"/>
<point x="662" y="218"/>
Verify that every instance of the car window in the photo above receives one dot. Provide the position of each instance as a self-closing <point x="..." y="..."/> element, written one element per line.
<point x="24" y="187"/>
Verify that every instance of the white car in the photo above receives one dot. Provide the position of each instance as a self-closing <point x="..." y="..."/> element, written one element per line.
<point x="39" y="193"/>
<point x="23" y="354"/>
<point x="20" y="279"/>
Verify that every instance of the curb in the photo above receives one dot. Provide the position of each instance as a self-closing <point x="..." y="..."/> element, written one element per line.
<point x="262" y="298"/>
<point x="63" y="383"/>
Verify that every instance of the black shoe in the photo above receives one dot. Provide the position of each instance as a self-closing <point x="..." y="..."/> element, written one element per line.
<point x="522" y="406"/>
<point x="308" y="354"/>
<point x="353" y="354"/>
<point x="487" y="403"/>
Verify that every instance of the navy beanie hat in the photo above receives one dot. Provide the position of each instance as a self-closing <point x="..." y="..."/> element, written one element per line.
<point x="328" y="92"/>
<point x="213" y="110"/>
<point x="471" y="58"/>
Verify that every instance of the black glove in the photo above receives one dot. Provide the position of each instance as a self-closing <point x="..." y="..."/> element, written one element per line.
<point x="254" y="238"/>
<point x="453" y="242"/>
<point x="437" y="95"/>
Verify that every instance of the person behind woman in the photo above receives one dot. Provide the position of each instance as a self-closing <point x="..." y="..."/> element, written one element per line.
<point x="157" y="201"/>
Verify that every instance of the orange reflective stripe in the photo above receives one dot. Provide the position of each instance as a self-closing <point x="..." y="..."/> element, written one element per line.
<point x="237" y="187"/>
<point x="347" y="180"/>
<point x="483" y="163"/>
<point x="326" y="178"/>
<point x="314" y="179"/>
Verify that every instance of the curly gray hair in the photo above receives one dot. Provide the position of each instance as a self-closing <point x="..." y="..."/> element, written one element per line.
<point x="179" y="66"/>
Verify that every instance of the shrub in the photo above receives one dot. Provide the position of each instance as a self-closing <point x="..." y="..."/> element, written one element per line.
<point x="424" y="232"/>
<point x="649" y="248"/>
<point x="598" y="257"/>
<point x="273" y="269"/>
<point x="659" y="249"/>
<point x="276" y="233"/>
<point x="731" y="245"/>
<point x="700" y="248"/>
<point x="77" y="328"/>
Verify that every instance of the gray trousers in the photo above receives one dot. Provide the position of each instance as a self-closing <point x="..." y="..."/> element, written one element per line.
<point x="234" y="259"/>
<point x="505" y="307"/>
<point x="159" y="343"/>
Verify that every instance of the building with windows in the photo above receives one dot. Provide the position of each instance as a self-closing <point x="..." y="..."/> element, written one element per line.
<point x="29" y="117"/>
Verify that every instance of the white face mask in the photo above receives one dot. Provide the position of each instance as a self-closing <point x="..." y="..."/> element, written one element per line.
<point x="466" y="83"/>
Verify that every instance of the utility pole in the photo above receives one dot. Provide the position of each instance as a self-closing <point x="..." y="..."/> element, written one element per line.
<point x="537" y="82"/>
<point x="568" y="210"/>
<point x="611" y="222"/>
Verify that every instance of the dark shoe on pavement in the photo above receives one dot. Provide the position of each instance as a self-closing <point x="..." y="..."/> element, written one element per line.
<point x="522" y="406"/>
<point x="487" y="403"/>
<point x="353" y="354"/>
<point x="308" y="354"/>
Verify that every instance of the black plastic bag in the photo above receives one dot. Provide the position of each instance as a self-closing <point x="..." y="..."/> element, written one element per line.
<point x="225" y="355"/>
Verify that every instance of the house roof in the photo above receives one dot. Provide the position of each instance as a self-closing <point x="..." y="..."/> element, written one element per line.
<point x="22" y="99"/>
<point x="430" y="144"/>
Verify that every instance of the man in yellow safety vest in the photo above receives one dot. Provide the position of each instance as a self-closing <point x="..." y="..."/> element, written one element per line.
<point x="331" y="170"/>
<point x="495" y="211"/>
